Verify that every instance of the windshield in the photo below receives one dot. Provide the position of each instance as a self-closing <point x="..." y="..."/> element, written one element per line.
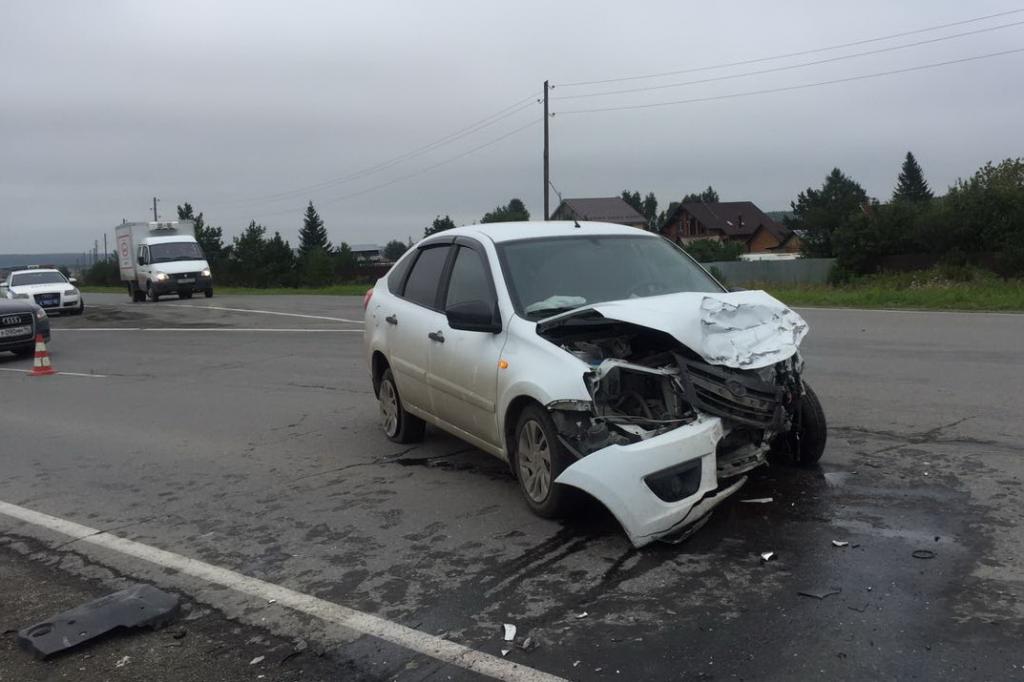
<point x="172" y="251"/>
<point x="25" y="279"/>
<point x="549" y="276"/>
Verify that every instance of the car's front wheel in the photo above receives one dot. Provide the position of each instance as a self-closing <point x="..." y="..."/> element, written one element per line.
<point x="208" y="293"/>
<point x="805" y="442"/>
<point x="539" y="459"/>
<point x="399" y="425"/>
<point x="153" y="296"/>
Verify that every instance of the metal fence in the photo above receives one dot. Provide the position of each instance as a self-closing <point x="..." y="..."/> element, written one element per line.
<point x="799" y="271"/>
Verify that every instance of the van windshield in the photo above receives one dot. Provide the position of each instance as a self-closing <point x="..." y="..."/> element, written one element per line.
<point x="172" y="251"/>
<point x="547" y="276"/>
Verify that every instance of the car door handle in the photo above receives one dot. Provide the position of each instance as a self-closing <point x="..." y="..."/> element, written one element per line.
<point x="436" y="336"/>
<point x="391" y="319"/>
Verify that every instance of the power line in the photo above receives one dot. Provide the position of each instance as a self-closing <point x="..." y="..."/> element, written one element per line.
<point x="793" y="87"/>
<point x="477" y="126"/>
<point x="421" y="171"/>
<point x="776" y="69"/>
<point x="790" y="54"/>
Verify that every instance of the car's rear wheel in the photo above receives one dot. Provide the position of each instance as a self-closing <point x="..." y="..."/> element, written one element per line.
<point x="399" y="425"/>
<point x="539" y="459"/>
<point x="804" y="444"/>
<point x="137" y="294"/>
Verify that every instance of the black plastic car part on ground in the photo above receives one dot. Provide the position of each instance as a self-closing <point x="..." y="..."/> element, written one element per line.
<point x="19" y="325"/>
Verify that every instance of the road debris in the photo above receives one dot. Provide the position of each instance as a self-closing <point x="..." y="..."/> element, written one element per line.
<point x="840" y="543"/>
<point x="123" y="661"/>
<point x="758" y="500"/>
<point x="767" y="556"/>
<point x="504" y="652"/>
<point x="258" y="659"/>
<point x="510" y="632"/>
<point x="137" y="606"/>
<point x="819" y="593"/>
<point x="923" y="554"/>
<point x="584" y="614"/>
<point x="528" y="644"/>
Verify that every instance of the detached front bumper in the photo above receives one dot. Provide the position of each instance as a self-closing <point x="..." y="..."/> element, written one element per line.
<point x="659" y="487"/>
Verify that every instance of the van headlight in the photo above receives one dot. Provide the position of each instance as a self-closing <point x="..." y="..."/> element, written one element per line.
<point x="160" y="276"/>
<point x="206" y="273"/>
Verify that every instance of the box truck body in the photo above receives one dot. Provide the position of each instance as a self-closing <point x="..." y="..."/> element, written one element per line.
<point x="162" y="257"/>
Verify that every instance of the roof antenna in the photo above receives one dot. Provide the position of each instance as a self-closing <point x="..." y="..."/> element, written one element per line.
<point x="576" y="223"/>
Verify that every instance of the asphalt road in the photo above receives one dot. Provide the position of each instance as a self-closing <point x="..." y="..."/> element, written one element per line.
<point x="249" y="441"/>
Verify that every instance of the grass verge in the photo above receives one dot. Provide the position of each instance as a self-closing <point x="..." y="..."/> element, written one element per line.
<point x="925" y="290"/>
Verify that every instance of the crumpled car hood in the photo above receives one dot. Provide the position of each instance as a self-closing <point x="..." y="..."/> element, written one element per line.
<point x="740" y="329"/>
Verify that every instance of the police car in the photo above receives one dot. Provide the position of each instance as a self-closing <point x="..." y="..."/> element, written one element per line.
<point x="49" y="289"/>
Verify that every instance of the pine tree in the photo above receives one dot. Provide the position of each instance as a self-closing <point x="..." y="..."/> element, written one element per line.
<point x="313" y="235"/>
<point x="911" y="185"/>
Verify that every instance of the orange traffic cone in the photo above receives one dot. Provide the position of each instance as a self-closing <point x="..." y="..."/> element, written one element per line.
<point x="42" y="366"/>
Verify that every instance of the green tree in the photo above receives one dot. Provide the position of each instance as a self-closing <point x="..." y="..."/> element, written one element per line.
<point x="708" y="196"/>
<point x="211" y="239"/>
<point x="313" y="234"/>
<point x="514" y="210"/>
<point x="394" y="249"/>
<point x="712" y="250"/>
<point x="249" y="256"/>
<point x="818" y="213"/>
<point x="279" y="262"/>
<point x="316" y="268"/>
<point x="345" y="263"/>
<point x="439" y="225"/>
<point x="911" y="185"/>
<point x="647" y="206"/>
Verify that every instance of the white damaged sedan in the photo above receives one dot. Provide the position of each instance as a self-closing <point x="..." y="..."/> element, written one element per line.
<point x="592" y="357"/>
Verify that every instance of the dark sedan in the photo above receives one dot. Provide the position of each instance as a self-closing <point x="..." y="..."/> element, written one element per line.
<point x="20" y="321"/>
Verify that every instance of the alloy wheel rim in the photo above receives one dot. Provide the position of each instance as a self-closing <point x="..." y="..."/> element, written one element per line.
<point x="534" y="457"/>
<point x="389" y="408"/>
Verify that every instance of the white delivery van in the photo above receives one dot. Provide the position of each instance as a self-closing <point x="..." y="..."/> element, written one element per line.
<point x="162" y="257"/>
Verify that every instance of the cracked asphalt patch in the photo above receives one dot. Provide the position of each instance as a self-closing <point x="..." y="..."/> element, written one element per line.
<point x="262" y="454"/>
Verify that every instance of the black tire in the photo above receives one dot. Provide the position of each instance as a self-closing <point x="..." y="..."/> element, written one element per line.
<point x="137" y="294"/>
<point x="805" y="443"/>
<point x="545" y="498"/>
<point x="399" y="426"/>
<point x="80" y="309"/>
<point x="208" y="293"/>
<point x="151" y="291"/>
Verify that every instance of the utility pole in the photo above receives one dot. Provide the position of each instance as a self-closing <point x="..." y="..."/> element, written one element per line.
<point x="547" y="182"/>
<point x="155" y="218"/>
<point x="106" y="254"/>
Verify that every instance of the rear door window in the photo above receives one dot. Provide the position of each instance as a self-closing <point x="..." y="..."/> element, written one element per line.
<point x="421" y="287"/>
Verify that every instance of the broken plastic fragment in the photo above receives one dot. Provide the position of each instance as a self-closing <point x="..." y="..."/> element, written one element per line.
<point x="819" y="592"/>
<point x="840" y="543"/>
<point x="258" y="659"/>
<point x="510" y="632"/>
<point x="528" y="644"/>
<point x="582" y="615"/>
<point x="923" y="554"/>
<point x="123" y="661"/>
<point x="759" y="500"/>
<point x="767" y="556"/>
<point x="504" y="652"/>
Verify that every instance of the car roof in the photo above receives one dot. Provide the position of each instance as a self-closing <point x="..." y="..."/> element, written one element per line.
<point x="23" y="272"/>
<point x="506" y="232"/>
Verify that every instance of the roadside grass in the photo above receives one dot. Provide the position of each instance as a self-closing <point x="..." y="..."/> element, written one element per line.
<point x="933" y="289"/>
<point x="335" y="290"/>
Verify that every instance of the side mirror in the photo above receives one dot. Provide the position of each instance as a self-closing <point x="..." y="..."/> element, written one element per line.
<point x="72" y="280"/>
<point x="473" y="316"/>
<point x="142" y="261"/>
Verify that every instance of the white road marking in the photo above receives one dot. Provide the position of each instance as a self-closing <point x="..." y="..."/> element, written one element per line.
<point x="268" y="312"/>
<point x="67" y="374"/>
<point x="359" y="621"/>
<point x="206" y="329"/>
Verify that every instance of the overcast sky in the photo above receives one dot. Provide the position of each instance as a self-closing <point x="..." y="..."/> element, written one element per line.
<point x="250" y="109"/>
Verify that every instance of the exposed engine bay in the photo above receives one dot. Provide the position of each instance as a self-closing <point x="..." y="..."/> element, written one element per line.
<point x="644" y="383"/>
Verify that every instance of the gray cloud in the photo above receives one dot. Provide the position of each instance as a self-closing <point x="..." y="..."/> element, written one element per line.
<point x="224" y="104"/>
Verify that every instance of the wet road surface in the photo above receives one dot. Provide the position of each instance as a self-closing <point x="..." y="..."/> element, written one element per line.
<point x="250" y="441"/>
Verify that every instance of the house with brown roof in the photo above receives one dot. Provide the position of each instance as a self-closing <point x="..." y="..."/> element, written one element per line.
<point x="603" y="209"/>
<point x="739" y="221"/>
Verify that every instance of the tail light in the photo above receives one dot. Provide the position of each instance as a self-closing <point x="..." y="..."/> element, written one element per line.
<point x="366" y="297"/>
